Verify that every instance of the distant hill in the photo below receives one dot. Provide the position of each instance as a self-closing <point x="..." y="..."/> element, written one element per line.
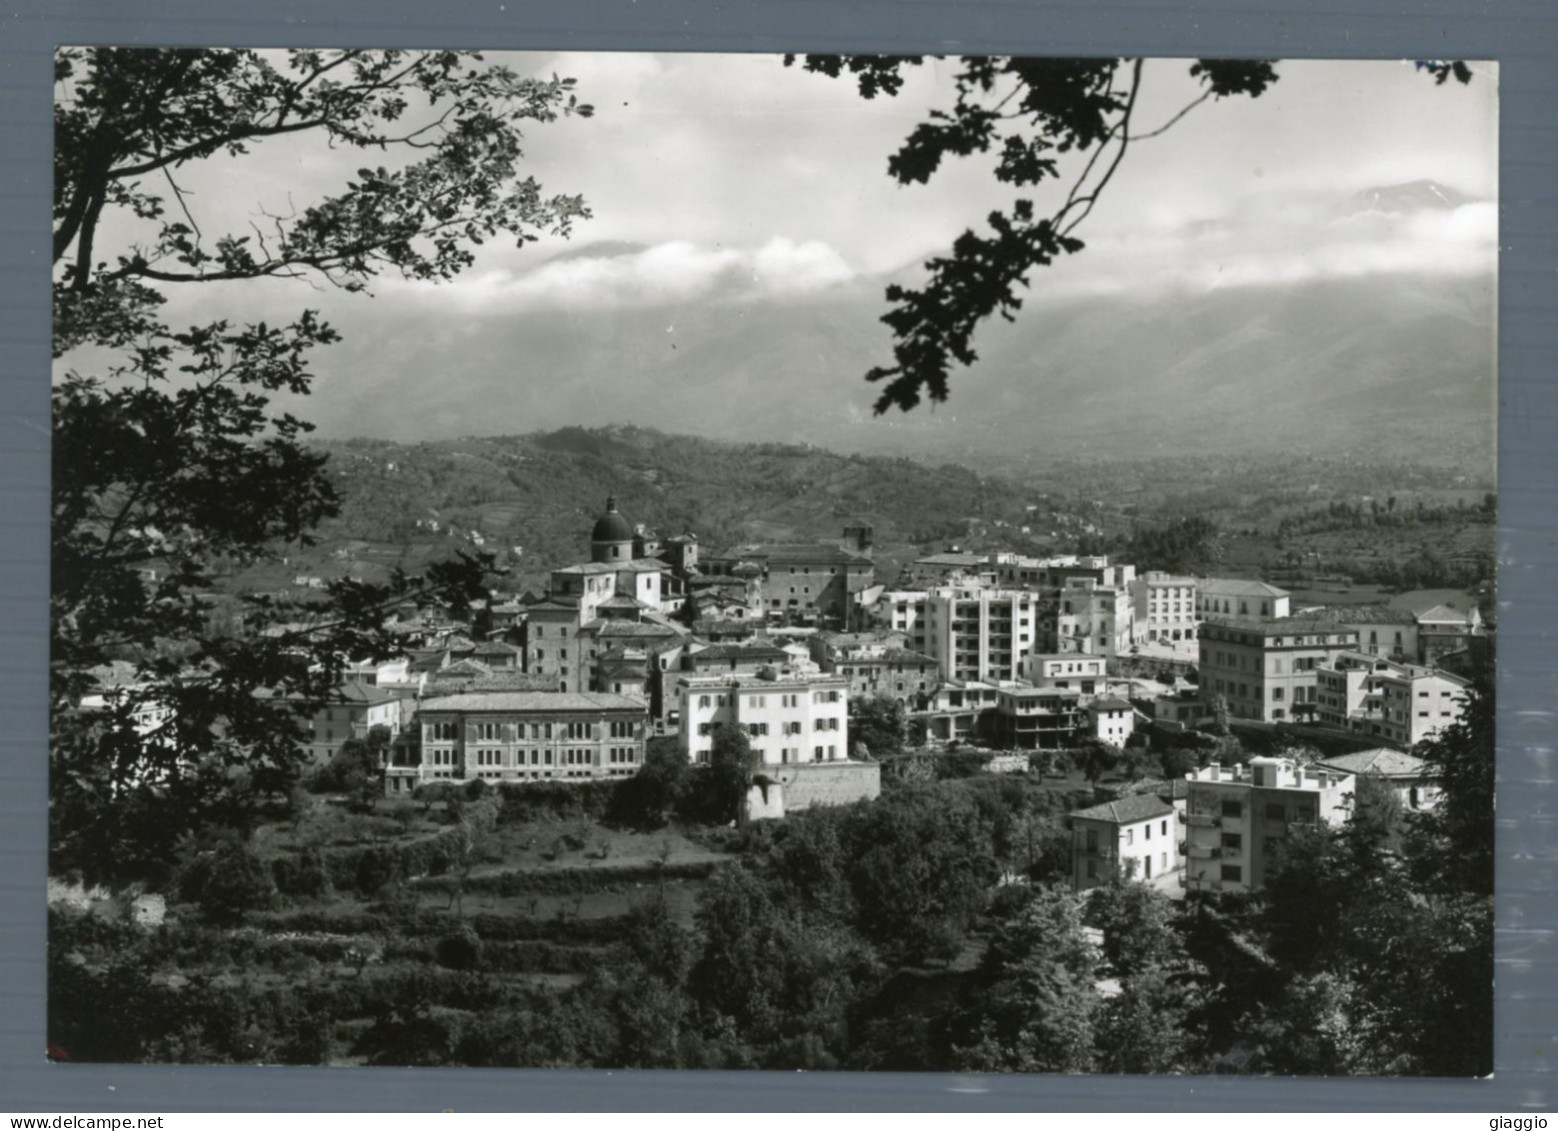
<point x="542" y="492"/>
<point x="1397" y="367"/>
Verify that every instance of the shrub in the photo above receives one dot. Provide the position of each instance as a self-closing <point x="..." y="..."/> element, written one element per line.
<point x="461" y="950"/>
<point x="227" y="881"/>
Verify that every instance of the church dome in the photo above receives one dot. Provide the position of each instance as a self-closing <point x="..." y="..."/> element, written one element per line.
<point x="611" y="526"/>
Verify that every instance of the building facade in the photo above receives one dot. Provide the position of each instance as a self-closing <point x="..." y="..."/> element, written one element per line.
<point x="1238" y="816"/>
<point x="1164" y="607"/>
<point x="1269" y="669"/>
<point x="525" y="736"/>
<point x="1230" y="598"/>
<point x="1137" y="837"/>
<point x="1400" y="704"/>
<point x="789" y="717"/>
<point x="1036" y="718"/>
<point x="978" y="633"/>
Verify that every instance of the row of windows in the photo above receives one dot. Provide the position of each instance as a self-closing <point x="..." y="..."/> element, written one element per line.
<point x="497" y="732"/>
<point x="571" y="756"/>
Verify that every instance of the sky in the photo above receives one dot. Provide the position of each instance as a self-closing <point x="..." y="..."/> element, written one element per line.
<point x="733" y="179"/>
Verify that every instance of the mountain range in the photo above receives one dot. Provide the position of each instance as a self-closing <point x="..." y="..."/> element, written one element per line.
<point x="1387" y="366"/>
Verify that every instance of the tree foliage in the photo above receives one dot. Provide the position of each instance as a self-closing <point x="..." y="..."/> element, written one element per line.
<point x="170" y="464"/>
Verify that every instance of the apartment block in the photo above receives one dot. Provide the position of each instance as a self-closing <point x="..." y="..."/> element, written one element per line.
<point x="1091" y="618"/>
<point x="977" y="633"/>
<point x="1164" y="606"/>
<point x="1400" y="704"/>
<point x="1238" y="816"/>
<point x="1036" y="718"/>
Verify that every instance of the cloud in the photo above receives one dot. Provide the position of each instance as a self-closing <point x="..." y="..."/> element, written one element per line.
<point x="1289" y="238"/>
<point x="667" y="274"/>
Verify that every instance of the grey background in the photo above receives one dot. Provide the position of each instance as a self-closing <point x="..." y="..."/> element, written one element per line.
<point x="1520" y="34"/>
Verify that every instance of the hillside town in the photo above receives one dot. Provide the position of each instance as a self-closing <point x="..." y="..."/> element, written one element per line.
<point x="622" y="653"/>
<point x="998" y="652"/>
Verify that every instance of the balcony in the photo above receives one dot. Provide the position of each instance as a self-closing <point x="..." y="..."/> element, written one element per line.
<point x="1203" y="820"/>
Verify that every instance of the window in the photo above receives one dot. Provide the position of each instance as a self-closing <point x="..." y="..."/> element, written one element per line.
<point x="1233" y="873"/>
<point x="1233" y="842"/>
<point x="1275" y="812"/>
<point x="817" y="751"/>
<point x="705" y="729"/>
<point x="488" y="732"/>
<point x="1130" y="836"/>
<point x="1232" y="809"/>
<point x="1163" y="828"/>
<point x="1092" y="841"/>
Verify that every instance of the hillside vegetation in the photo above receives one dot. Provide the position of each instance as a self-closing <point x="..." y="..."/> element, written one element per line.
<point x="541" y="494"/>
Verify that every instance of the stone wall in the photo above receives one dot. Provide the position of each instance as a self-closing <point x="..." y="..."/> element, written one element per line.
<point x="828" y="783"/>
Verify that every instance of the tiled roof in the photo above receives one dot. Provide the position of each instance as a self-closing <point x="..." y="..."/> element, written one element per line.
<point x="506" y="679"/>
<point x="1127" y="810"/>
<point x="1360" y="614"/>
<point x="622" y="601"/>
<point x="535" y="701"/>
<point x="951" y="560"/>
<point x="367" y="693"/>
<point x="755" y="652"/>
<point x="1286" y="626"/>
<point x="1240" y="587"/>
<point x="556" y="604"/>
<point x="631" y="628"/>
<point x="1112" y="705"/>
<point x="1384" y="761"/>
<point x="466" y="667"/>
<point x="495" y="648"/>
<point x="807" y="553"/>
<point x="1444" y="613"/>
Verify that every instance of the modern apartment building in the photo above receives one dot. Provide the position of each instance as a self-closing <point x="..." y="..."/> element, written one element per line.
<point x="1036" y="718"/>
<point x="1090" y="618"/>
<point x="1164" y="606"/>
<point x="1067" y="671"/>
<point x="1237" y="816"/>
<point x="1401" y="704"/>
<point x="977" y="633"/>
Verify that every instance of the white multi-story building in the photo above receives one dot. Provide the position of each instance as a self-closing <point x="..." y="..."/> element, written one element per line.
<point x="789" y="717"/>
<point x="979" y="633"/>
<point x="1067" y="671"/>
<point x="1238" y="815"/>
<point x="1164" y="606"/>
<point x="1401" y="704"/>
<point x="1092" y="618"/>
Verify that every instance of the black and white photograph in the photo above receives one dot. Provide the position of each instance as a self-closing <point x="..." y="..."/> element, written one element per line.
<point x="829" y="563"/>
